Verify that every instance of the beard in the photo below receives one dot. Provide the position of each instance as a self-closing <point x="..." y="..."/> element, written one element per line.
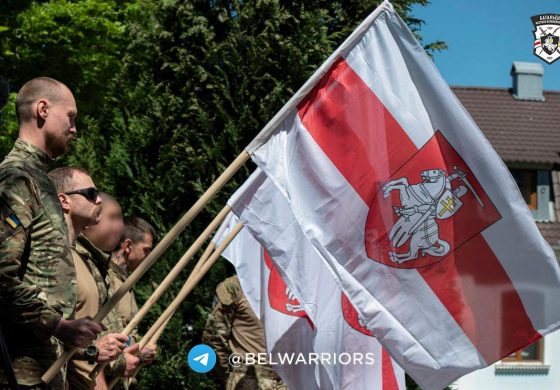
<point x="58" y="144"/>
<point x="87" y="217"/>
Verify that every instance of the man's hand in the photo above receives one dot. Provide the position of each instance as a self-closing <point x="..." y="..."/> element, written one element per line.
<point x="148" y="354"/>
<point x="111" y="347"/>
<point x="132" y="361"/>
<point x="78" y="333"/>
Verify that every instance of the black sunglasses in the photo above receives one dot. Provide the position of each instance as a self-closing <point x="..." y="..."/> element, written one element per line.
<point x="88" y="193"/>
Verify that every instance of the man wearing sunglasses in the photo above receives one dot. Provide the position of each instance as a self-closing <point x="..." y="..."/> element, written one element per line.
<point x="37" y="275"/>
<point x="82" y="207"/>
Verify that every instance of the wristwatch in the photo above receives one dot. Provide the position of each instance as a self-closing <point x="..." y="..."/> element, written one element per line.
<point x="91" y="352"/>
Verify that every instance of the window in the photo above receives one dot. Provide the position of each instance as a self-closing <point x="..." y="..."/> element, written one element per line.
<point x="535" y="188"/>
<point x="526" y="180"/>
<point x="531" y="353"/>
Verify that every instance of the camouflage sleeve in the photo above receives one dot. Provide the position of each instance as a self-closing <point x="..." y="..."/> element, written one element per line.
<point x="217" y="332"/>
<point x="113" y="323"/>
<point x="20" y="302"/>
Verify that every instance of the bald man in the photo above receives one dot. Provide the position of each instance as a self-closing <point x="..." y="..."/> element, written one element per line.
<point x="37" y="274"/>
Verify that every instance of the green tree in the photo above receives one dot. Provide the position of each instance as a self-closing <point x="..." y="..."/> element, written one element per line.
<point x="78" y="42"/>
<point x="198" y="81"/>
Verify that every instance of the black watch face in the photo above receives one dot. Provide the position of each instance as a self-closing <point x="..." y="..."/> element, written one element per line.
<point x="91" y="350"/>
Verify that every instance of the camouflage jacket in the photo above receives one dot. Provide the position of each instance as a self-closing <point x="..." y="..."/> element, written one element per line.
<point x="232" y="326"/>
<point x="33" y="296"/>
<point x="127" y="306"/>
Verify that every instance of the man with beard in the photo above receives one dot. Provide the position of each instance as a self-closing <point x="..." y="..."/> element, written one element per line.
<point x="37" y="275"/>
<point x="100" y="240"/>
<point x="82" y="207"/>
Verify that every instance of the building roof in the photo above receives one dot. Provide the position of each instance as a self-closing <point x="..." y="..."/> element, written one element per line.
<point x="550" y="232"/>
<point x="521" y="131"/>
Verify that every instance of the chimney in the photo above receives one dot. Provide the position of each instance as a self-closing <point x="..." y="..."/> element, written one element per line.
<point x="527" y="81"/>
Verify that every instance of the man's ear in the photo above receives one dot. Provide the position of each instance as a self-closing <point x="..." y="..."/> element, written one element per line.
<point x="127" y="246"/>
<point x="42" y="112"/>
<point x="64" y="202"/>
<point x="42" y="109"/>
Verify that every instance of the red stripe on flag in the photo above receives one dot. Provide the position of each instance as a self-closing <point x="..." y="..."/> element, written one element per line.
<point x="479" y="294"/>
<point x="355" y="130"/>
<point x="388" y="380"/>
<point x="367" y="145"/>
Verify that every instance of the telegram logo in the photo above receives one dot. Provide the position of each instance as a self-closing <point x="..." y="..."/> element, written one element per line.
<point x="201" y="358"/>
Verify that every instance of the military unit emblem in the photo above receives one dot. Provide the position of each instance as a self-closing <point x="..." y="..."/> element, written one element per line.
<point x="547" y="37"/>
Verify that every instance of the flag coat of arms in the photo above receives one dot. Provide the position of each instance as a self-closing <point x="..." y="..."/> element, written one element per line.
<point x="410" y="207"/>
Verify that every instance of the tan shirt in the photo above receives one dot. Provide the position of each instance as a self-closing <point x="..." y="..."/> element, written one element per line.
<point x="98" y="263"/>
<point x="88" y="304"/>
<point x="88" y="293"/>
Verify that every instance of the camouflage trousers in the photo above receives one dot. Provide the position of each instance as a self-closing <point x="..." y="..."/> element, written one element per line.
<point x="254" y="377"/>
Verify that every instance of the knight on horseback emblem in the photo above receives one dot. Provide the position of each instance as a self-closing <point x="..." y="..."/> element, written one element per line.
<point x="547" y="37"/>
<point x="421" y="206"/>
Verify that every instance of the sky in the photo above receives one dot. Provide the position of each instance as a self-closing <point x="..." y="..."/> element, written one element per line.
<point x="484" y="38"/>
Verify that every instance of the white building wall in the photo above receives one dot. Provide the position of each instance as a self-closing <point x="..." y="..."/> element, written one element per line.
<point x="489" y="379"/>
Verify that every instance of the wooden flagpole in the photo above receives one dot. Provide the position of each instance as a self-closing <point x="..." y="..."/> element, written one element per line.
<point x="191" y="283"/>
<point x="153" y="256"/>
<point x="154" y="340"/>
<point x="204" y="264"/>
<point x="263" y="136"/>
<point x="170" y="278"/>
<point x="207" y="252"/>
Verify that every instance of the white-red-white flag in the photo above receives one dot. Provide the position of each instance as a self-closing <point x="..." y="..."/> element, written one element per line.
<point x="351" y="356"/>
<point x="288" y="331"/>
<point x="413" y="211"/>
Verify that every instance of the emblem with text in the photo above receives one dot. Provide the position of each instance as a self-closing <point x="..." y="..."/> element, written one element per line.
<point x="547" y="36"/>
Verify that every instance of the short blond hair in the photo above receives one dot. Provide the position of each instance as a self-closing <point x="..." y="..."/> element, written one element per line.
<point x="33" y="90"/>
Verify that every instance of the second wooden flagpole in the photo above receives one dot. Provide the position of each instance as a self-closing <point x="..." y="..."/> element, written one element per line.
<point x="207" y="252"/>
<point x="201" y="268"/>
<point x="153" y="256"/>
<point x="169" y="279"/>
<point x="191" y="283"/>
